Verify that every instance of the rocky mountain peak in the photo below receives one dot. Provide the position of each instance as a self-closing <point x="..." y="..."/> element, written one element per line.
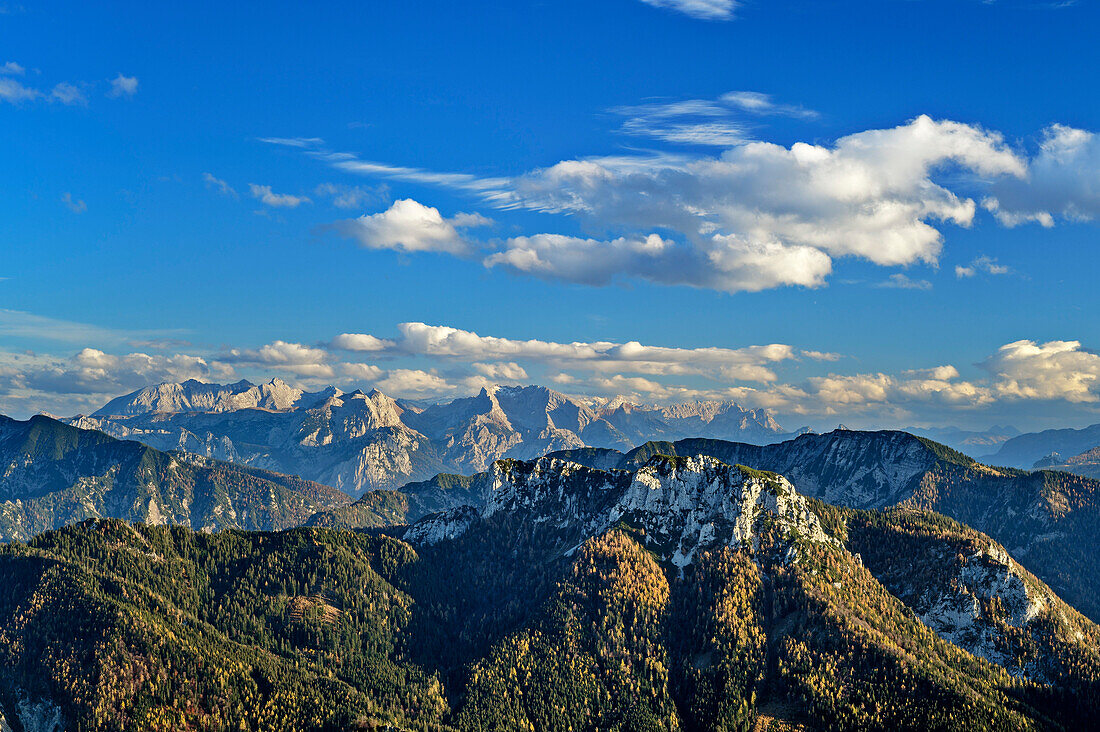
<point x="681" y="504"/>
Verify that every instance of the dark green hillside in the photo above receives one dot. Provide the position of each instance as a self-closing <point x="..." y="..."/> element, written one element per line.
<point x="54" y="475"/>
<point x="413" y="502"/>
<point x="137" y="627"/>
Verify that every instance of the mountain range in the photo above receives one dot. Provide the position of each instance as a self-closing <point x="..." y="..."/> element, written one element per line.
<point x="680" y="592"/>
<point x="1050" y="520"/>
<point x="564" y="580"/>
<point x="1052" y="447"/>
<point x="359" y="442"/>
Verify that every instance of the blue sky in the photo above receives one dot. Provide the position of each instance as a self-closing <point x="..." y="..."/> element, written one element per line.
<point x="881" y="213"/>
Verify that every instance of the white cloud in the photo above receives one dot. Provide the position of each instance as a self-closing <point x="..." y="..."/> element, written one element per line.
<point x="348" y="196"/>
<point x="84" y="381"/>
<point x="361" y="371"/>
<point x="13" y="92"/>
<point x="705" y="122"/>
<point x="691" y="122"/>
<point x="411" y="227"/>
<point x="763" y="104"/>
<point x="219" y="185"/>
<point x="821" y="355"/>
<point x="1020" y="375"/>
<point x="275" y="200"/>
<point x="749" y="363"/>
<point x="413" y="383"/>
<point x="1059" y="370"/>
<point x="294" y="358"/>
<point x="123" y="86"/>
<point x="510" y="371"/>
<point x="68" y="94"/>
<point x="903" y="282"/>
<point x="12" y="69"/>
<point x="720" y="263"/>
<point x="488" y="187"/>
<point x="985" y="264"/>
<point x="360" y="342"/>
<point x="702" y="9"/>
<point x="761" y="215"/>
<point x="299" y="142"/>
<point x="1063" y="180"/>
<point x="75" y="205"/>
<point x="870" y="195"/>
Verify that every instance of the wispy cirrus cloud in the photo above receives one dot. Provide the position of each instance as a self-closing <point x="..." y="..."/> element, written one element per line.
<point x="721" y="122"/>
<point x="900" y="281"/>
<point x="701" y="9"/>
<point x="219" y="185"/>
<point x="67" y="93"/>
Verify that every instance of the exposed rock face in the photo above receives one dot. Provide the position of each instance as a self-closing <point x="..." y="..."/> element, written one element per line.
<point x="680" y="504"/>
<point x="361" y="442"/>
<point x="963" y="586"/>
<point x="196" y="396"/>
<point x="958" y="609"/>
<point x="33" y="716"/>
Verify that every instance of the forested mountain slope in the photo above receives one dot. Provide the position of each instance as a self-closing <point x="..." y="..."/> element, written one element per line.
<point x="686" y="594"/>
<point x="52" y="474"/>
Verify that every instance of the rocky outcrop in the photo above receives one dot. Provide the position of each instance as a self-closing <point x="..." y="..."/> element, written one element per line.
<point x="680" y="505"/>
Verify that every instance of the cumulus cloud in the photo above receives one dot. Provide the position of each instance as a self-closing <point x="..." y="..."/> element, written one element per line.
<point x="1063" y="181"/>
<point x="410" y="226"/>
<point x="761" y="215"/>
<point x="276" y="200"/>
<point x="702" y="9"/>
<point x="985" y="264"/>
<point x="721" y="263"/>
<point x="870" y="195"/>
<point x="414" y="383"/>
<point x="443" y="362"/>
<point x="749" y="363"/>
<point x="1060" y="370"/>
<point x="31" y="382"/>
<point x="292" y="357"/>
<point x="361" y="371"/>
<point x="510" y="371"/>
<point x="123" y="86"/>
<point x="360" y="342"/>
<point x="11" y="68"/>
